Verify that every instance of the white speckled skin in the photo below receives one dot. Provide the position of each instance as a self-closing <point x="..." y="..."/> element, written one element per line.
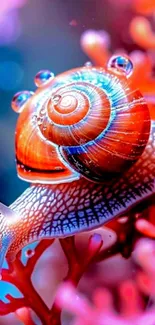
<point x="60" y="210"/>
<point x="64" y="209"/>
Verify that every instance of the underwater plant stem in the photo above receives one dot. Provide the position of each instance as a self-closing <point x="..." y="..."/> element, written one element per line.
<point x="70" y="251"/>
<point x="76" y="267"/>
<point x="29" y="321"/>
<point x="20" y="276"/>
<point x="24" y="315"/>
<point x="25" y="286"/>
<point x="55" y="318"/>
<point x="126" y="236"/>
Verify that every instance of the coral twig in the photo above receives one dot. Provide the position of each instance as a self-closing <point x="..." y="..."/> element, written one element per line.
<point x="20" y="276"/>
<point x="24" y="315"/>
<point x="128" y="230"/>
<point x="76" y="266"/>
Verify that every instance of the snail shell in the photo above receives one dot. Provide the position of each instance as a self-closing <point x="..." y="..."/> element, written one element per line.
<point x="87" y="121"/>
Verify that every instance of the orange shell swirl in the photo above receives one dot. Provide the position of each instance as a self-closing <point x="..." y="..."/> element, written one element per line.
<point x="87" y="121"/>
<point x="73" y="119"/>
<point x="37" y="160"/>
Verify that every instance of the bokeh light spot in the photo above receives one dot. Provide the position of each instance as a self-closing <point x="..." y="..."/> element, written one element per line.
<point x="11" y="75"/>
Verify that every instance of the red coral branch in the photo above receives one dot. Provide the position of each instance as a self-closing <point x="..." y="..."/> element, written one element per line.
<point x="41" y="247"/>
<point x="76" y="266"/>
<point x="20" y="276"/>
<point x="24" y="315"/>
<point x="15" y="303"/>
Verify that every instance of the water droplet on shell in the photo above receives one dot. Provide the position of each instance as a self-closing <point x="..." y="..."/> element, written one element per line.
<point x="42" y="77"/>
<point x="88" y="64"/>
<point x="39" y="120"/>
<point x="19" y="100"/>
<point x="56" y="99"/>
<point x="122" y="64"/>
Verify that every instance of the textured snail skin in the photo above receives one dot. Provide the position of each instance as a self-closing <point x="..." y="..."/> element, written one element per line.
<point x="66" y="208"/>
<point x="44" y="211"/>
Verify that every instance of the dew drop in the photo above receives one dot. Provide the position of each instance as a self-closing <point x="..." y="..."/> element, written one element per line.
<point x="43" y="77"/>
<point x="39" y="120"/>
<point x="56" y="99"/>
<point x="29" y="253"/>
<point x="121" y="63"/>
<point x="34" y="118"/>
<point x="88" y="64"/>
<point x="42" y="111"/>
<point x="20" y="99"/>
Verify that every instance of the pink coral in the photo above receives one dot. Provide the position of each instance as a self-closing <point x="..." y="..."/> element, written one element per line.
<point x="112" y="262"/>
<point x="82" y="252"/>
<point x="103" y="311"/>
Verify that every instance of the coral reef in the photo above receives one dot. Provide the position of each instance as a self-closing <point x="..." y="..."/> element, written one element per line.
<point x="82" y="251"/>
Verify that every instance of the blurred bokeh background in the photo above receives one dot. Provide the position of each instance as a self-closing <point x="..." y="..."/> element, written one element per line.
<point x="45" y="34"/>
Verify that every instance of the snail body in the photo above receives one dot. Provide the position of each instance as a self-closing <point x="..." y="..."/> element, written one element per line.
<point x="86" y="141"/>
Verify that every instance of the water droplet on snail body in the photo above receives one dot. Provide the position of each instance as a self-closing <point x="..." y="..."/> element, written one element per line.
<point x="43" y="77"/>
<point x="122" y="64"/>
<point x="20" y="99"/>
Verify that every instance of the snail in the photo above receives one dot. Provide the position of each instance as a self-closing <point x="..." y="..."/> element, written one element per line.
<point x="86" y="143"/>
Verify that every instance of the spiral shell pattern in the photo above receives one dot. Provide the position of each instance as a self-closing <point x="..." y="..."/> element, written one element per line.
<point x="72" y="118"/>
<point x="86" y="121"/>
